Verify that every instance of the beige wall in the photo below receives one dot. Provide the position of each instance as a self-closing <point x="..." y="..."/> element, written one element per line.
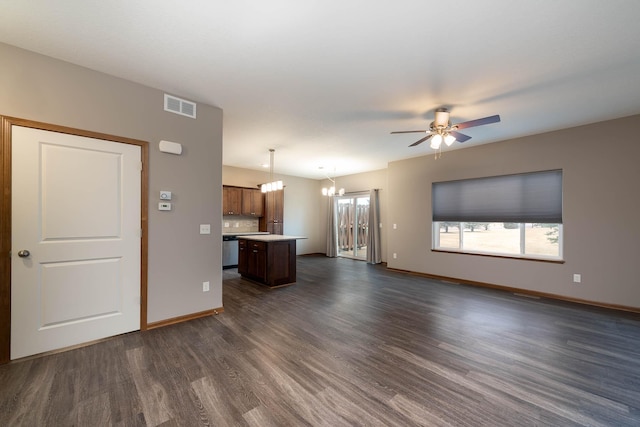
<point x="39" y="88"/>
<point x="600" y="209"/>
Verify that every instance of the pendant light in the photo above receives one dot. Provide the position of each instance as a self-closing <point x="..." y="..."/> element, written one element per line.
<point x="331" y="191"/>
<point x="271" y="185"/>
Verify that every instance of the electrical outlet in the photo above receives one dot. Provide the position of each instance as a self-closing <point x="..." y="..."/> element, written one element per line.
<point x="205" y="286"/>
<point x="577" y="278"/>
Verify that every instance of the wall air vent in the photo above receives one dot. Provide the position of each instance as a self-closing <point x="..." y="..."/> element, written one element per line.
<point x="179" y="106"/>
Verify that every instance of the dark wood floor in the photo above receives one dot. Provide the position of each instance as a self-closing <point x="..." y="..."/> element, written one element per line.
<point x="349" y="344"/>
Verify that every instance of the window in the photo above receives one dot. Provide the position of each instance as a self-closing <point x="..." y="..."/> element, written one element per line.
<point x="353" y="225"/>
<point x="512" y="215"/>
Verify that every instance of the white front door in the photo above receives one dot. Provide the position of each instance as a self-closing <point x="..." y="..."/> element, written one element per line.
<point x="76" y="210"/>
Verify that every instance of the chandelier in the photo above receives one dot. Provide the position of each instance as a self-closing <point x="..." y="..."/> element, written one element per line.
<point x="331" y="191"/>
<point x="271" y="185"/>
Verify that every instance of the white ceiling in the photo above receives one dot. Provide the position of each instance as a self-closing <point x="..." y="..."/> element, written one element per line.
<point x="324" y="82"/>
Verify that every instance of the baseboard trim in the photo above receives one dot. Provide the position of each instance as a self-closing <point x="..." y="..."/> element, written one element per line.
<point x="185" y="318"/>
<point x="522" y="292"/>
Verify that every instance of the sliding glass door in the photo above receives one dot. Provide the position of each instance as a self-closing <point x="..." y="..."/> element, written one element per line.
<point x="353" y="225"/>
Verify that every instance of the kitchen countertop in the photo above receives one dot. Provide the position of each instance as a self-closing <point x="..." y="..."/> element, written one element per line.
<point x="272" y="237"/>
<point x="245" y="233"/>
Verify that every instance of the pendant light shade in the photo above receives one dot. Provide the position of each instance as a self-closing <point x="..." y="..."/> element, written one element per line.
<point x="272" y="185"/>
<point x="436" y="141"/>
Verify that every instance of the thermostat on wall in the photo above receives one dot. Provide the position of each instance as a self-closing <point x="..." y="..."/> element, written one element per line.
<point x="165" y="195"/>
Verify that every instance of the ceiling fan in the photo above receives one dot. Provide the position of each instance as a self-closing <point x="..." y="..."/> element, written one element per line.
<point x="441" y="130"/>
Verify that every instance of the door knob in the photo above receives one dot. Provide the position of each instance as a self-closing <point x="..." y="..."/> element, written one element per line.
<point x="24" y="253"/>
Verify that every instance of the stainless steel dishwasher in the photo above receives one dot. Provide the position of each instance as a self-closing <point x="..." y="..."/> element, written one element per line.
<point x="229" y="251"/>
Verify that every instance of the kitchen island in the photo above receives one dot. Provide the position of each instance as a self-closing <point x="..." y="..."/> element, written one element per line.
<point x="268" y="259"/>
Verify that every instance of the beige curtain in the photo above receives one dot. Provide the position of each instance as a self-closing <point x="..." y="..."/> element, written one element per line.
<point x="374" y="248"/>
<point x="332" y="229"/>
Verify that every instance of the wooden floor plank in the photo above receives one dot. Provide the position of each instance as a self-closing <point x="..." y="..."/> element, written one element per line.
<point x="154" y="398"/>
<point x="348" y="344"/>
<point x="94" y="411"/>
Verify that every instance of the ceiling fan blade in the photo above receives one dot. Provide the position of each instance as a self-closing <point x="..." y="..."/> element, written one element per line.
<point x="420" y="141"/>
<point x="409" y="131"/>
<point x="478" y="122"/>
<point x="460" y="137"/>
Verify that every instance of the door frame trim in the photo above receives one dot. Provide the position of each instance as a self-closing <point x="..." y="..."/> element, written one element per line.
<point x="5" y="218"/>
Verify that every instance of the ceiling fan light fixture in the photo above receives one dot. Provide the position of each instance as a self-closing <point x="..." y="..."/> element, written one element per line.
<point x="449" y="139"/>
<point x="441" y="117"/>
<point x="442" y="130"/>
<point x="436" y="141"/>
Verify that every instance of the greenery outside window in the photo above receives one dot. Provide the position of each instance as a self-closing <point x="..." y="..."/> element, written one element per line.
<point x="512" y="215"/>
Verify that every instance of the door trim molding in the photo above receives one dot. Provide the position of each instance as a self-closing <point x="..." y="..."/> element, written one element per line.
<point x="5" y="218"/>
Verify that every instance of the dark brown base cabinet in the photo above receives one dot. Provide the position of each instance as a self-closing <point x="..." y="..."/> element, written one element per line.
<point x="269" y="263"/>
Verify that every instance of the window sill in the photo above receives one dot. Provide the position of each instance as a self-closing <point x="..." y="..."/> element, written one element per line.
<point x="518" y="257"/>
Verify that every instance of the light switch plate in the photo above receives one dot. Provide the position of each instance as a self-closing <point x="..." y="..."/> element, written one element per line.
<point x="165" y="195"/>
<point x="164" y="206"/>
<point x="205" y="228"/>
